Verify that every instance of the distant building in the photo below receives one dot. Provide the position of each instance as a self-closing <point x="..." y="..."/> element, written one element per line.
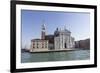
<point x="83" y="44"/>
<point x="63" y="39"/>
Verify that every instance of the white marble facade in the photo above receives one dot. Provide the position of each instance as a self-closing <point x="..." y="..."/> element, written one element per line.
<point x="63" y="39"/>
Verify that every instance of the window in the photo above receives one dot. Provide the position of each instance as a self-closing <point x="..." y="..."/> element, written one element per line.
<point x="33" y="46"/>
<point x="37" y="44"/>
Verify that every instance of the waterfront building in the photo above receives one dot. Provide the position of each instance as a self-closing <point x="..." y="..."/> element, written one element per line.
<point x="63" y="39"/>
<point x="39" y="44"/>
<point x="60" y="40"/>
<point x="83" y="44"/>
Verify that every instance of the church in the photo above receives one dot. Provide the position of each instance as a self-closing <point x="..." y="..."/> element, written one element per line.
<point x="63" y="39"/>
<point x="60" y="40"/>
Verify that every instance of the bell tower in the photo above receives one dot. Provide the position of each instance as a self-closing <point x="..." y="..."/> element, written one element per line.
<point x="43" y="32"/>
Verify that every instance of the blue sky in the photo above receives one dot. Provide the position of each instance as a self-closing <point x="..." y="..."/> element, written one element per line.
<point x="31" y="21"/>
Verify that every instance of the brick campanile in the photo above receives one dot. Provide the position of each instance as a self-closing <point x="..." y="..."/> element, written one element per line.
<point x="43" y="32"/>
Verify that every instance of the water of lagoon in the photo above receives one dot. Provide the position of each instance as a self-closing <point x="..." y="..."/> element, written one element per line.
<point x="55" y="56"/>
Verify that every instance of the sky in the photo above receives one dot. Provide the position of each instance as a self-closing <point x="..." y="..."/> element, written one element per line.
<point x="31" y="20"/>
